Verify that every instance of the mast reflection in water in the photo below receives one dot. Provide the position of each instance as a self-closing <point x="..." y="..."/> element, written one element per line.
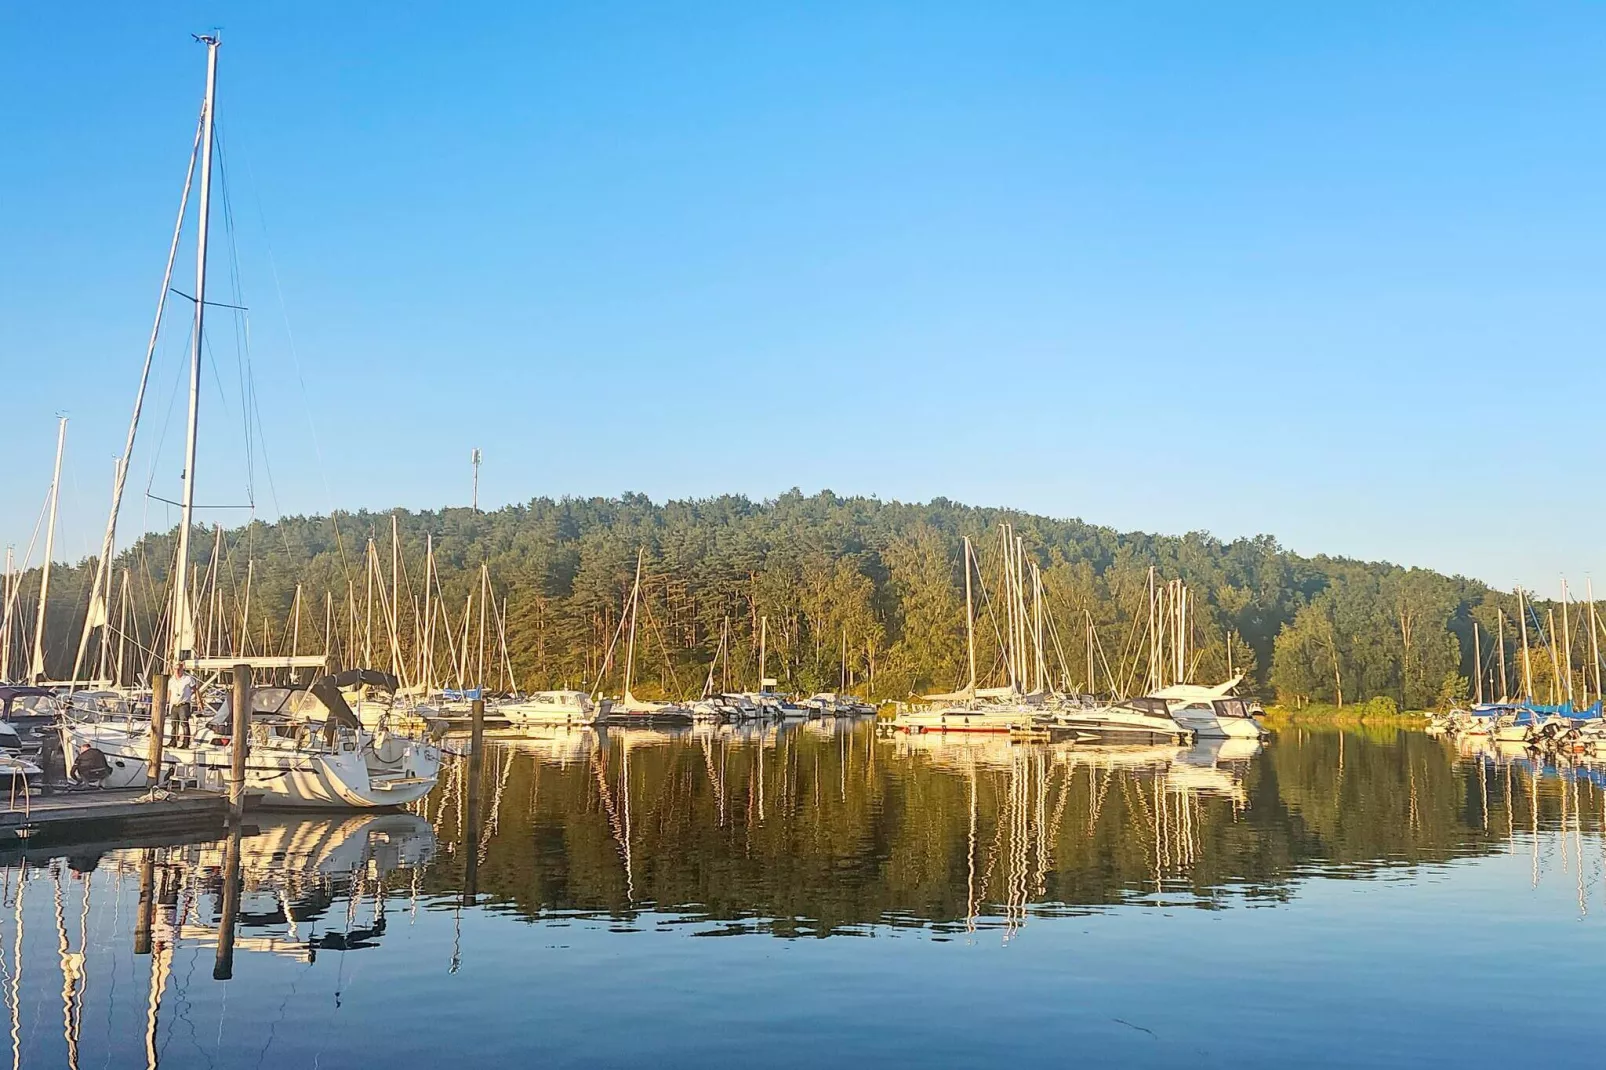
<point x="1046" y="896"/>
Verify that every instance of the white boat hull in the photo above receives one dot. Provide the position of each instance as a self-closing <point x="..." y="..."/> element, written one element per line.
<point x="285" y="776"/>
<point x="1206" y="725"/>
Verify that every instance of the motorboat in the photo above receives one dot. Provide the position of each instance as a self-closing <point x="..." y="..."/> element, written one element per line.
<point x="969" y="717"/>
<point x="1137" y="719"/>
<point x="306" y="748"/>
<point x="1210" y="712"/>
<point x="27" y="715"/>
<point x="551" y="709"/>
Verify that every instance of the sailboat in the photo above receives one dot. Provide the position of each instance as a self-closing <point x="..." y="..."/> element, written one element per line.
<point x="307" y="747"/>
<point x="628" y="709"/>
<point x="969" y="709"/>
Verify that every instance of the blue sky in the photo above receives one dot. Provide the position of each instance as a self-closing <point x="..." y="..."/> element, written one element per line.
<point x="1329" y="273"/>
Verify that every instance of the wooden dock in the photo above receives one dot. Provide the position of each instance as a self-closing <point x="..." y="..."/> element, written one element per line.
<point x="71" y="817"/>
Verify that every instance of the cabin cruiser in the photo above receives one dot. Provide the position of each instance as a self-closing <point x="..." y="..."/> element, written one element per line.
<point x="1210" y="712"/>
<point x="969" y="717"/>
<point x="27" y="715"/>
<point x="1136" y="718"/>
<point x="551" y="709"/>
<point x="307" y="748"/>
<point x="831" y="704"/>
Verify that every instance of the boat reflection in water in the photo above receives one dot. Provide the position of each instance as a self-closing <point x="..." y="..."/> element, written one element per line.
<point x="291" y="888"/>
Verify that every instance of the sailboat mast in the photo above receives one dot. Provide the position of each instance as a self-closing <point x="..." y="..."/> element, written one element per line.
<point x="1500" y="641"/>
<point x="1154" y="640"/>
<point x="426" y="647"/>
<point x="630" y="648"/>
<point x="1088" y="614"/>
<point x="970" y="622"/>
<point x="1477" y="666"/>
<point x="1037" y="639"/>
<point x="1527" y="661"/>
<point x="1567" y="640"/>
<point x="5" y="623"/>
<point x="182" y="623"/>
<point x="122" y="630"/>
<point x="1594" y="646"/>
<point x="763" y="644"/>
<point x="37" y="669"/>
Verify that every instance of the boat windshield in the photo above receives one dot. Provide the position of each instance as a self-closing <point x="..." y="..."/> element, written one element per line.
<point x="1231" y="707"/>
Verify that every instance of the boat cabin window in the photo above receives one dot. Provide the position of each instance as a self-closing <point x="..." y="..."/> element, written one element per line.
<point x="1154" y="706"/>
<point x="1231" y="707"/>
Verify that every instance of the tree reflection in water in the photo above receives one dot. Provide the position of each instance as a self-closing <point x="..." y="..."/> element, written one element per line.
<point x="824" y="829"/>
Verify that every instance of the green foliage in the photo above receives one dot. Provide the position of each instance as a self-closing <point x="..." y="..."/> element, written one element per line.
<point x="856" y="592"/>
<point x="1452" y="691"/>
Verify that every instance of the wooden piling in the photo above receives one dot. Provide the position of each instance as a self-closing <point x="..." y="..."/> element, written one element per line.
<point x="239" y="740"/>
<point x="153" y="762"/>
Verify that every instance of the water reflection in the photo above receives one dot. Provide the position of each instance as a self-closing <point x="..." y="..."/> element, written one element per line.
<point x="829" y="829"/>
<point x="815" y="830"/>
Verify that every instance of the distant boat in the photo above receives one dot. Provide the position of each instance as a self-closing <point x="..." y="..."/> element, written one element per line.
<point x="552" y="709"/>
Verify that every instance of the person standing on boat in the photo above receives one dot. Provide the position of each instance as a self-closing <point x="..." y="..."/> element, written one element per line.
<point x="182" y="687"/>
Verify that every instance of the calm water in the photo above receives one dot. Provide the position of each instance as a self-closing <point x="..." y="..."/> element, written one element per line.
<point x="817" y="896"/>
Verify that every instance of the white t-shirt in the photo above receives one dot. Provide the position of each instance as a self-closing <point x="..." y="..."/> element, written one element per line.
<point x="184" y="685"/>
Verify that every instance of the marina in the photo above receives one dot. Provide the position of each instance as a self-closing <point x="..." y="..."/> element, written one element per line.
<point x="459" y="672"/>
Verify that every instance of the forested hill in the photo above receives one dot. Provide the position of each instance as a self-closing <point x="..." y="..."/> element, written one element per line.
<point x="882" y="580"/>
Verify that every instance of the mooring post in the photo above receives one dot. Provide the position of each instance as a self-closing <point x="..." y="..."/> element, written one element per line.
<point x="153" y="760"/>
<point x="238" y="740"/>
<point x="223" y="968"/>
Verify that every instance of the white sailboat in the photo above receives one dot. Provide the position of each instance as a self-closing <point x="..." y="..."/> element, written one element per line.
<point x="969" y="709"/>
<point x="629" y="709"/>
<point x="307" y="747"/>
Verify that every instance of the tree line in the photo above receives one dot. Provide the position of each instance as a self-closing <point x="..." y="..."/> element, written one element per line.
<point x="840" y="592"/>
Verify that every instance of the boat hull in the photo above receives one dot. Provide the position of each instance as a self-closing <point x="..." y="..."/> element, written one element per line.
<point x="282" y="776"/>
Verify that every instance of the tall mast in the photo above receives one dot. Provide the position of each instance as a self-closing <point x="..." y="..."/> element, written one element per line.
<point x="1555" y="666"/>
<point x="1527" y="661"/>
<point x="5" y="623"/>
<point x="630" y="648"/>
<point x="1500" y="626"/>
<point x="970" y="624"/>
<point x="426" y="647"/>
<point x="1477" y="666"/>
<point x="763" y="644"/>
<point x="1037" y="639"/>
<point x="182" y="623"/>
<point x="1088" y="614"/>
<point x="1154" y="672"/>
<point x="1594" y="646"/>
<point x="36" y="670"/>
<point x="368" y="611"/>
<point x="1567" y="640"/>
<point x="122" y="629"/>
